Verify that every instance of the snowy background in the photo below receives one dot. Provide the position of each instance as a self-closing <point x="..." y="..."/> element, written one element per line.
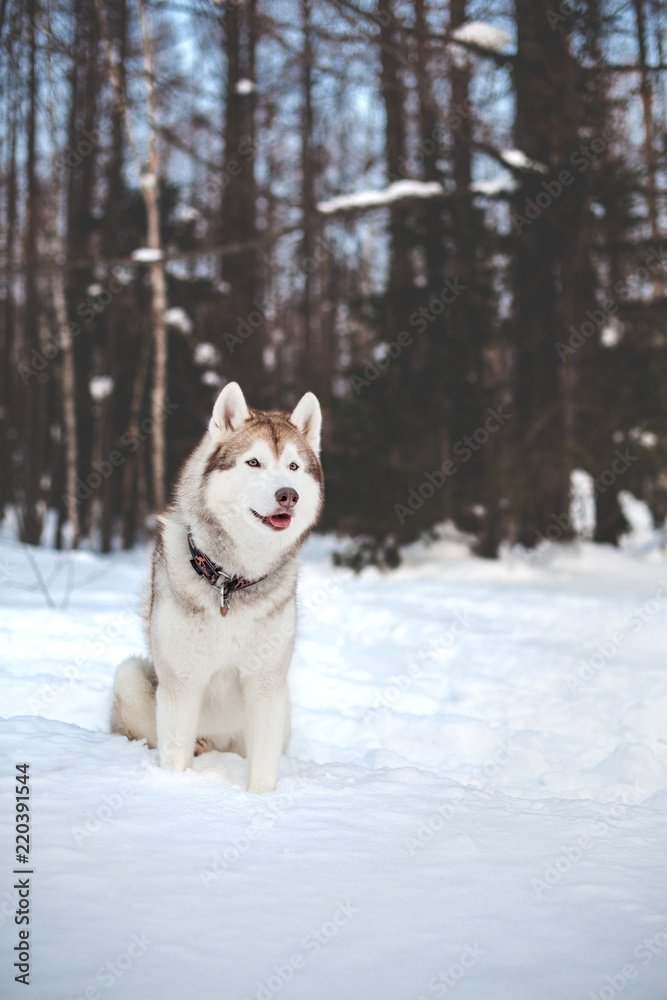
<point x="474" y="803"/>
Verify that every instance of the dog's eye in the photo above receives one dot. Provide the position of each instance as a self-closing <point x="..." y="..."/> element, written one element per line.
<point x="253" y="463"/>
<point x="293" y="466"/>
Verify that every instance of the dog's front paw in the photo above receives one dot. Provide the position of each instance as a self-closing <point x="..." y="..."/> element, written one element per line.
<point x="176" y="753"/>
<point x="259" y="784"/>
<point x="175" y="761"/>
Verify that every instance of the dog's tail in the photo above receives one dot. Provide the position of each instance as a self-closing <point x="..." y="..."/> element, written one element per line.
<point x="134" y="713"/>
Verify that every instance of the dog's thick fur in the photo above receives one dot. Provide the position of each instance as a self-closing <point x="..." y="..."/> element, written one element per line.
<point x="221" y="682"/>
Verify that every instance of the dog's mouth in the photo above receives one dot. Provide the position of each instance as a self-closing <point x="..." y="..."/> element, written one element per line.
<point x="277" y="522"/>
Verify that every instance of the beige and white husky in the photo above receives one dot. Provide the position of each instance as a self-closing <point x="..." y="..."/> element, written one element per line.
<point x="220" y="607"/>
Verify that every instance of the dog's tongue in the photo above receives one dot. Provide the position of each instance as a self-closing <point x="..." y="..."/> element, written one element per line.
<point x="280" y="520"/>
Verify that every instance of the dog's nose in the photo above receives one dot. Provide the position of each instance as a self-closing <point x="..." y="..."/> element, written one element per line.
<point x="287" y="497"/>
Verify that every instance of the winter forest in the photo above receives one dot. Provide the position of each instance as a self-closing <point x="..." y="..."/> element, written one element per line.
<point x="444" y="218"/>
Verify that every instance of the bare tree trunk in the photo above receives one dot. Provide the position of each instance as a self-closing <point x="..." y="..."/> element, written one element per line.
<point x="428" y="117"/>
<point x="3" y="9"/>
<point x="158" y="309"/>
<point x="553" y="245"/>
<point x="134" y="513"/>
<point x="11" y="355"/>
<point x="59" y="296"/>
<point x="85" y="82"/>
<point x="470" y="329"/>
<point x="69" y="404"/>
<point x="310" y="361"/>
<point x="33" y="436"/>
<point x="150" y="174"/>
<point x="117" y="25"/>
<point x="239" y="197"/>
<point x="150" y="191"/>
<point x="118" y="342"/>
<point x="646" y="92"/>
<point x="393" y="97"/>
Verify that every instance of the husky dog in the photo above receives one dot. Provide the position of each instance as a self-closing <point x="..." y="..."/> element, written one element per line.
<point x="220" y="607"/>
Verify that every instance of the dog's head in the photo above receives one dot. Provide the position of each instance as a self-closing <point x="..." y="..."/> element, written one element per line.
<point x="262" y="475"/>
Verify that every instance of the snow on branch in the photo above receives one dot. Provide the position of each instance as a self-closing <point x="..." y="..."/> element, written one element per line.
<point x="244" y="87"/>
<point x="483" y="35"/>
<point x="518" y="159"/>
<point x="503" y="184"/>
<point x="398" y="191"/>
<point x="147" y="255"/>
<point x="179" y="319"/>
<point x="100" y="386"/>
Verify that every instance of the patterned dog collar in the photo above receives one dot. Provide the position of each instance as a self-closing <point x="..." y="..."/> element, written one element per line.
<point x="216" y="576"/>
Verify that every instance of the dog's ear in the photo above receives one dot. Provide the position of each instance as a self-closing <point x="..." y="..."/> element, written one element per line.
<point x="307" y="417"/>
<point x="229" y="412"/>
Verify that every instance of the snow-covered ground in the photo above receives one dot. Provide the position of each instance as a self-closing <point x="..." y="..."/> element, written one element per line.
<point x="474" y="803"/>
